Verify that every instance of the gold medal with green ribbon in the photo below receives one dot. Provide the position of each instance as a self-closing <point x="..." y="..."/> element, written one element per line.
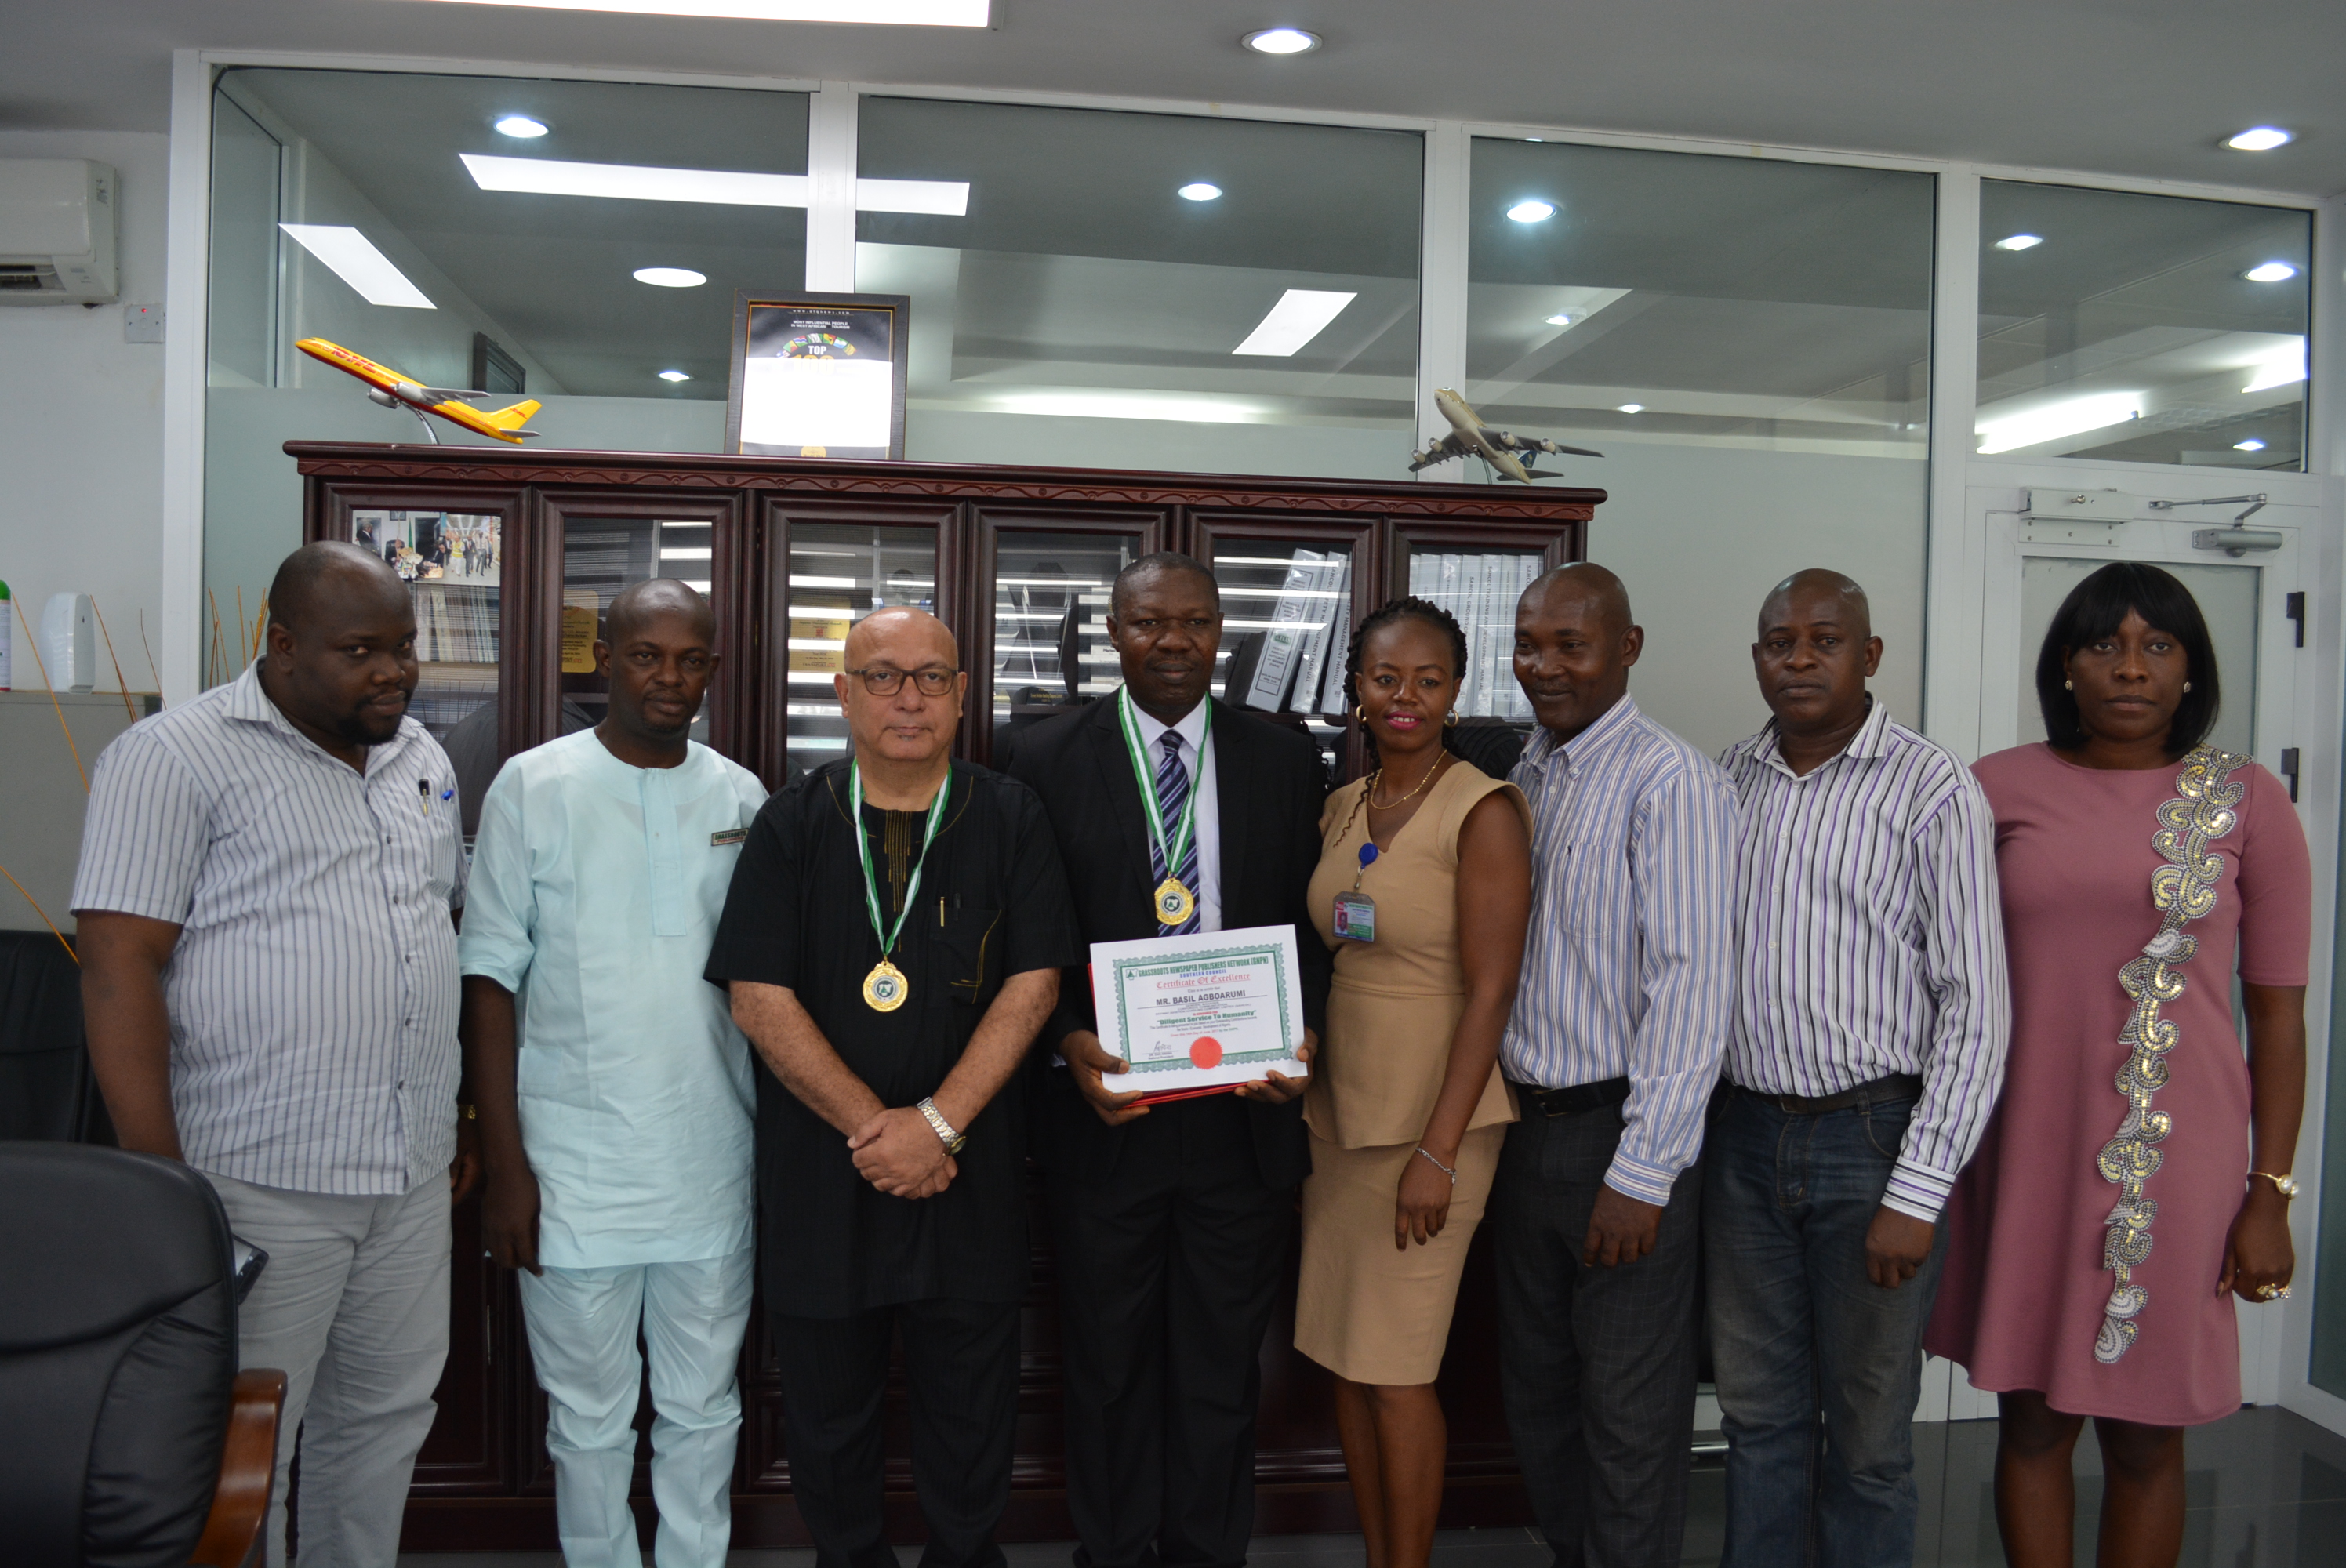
<point x="1173" y="899"/>
<point x="885" y="988"/>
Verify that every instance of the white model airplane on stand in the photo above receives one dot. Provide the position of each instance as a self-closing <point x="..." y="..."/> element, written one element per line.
<point x="1469" y="436"/>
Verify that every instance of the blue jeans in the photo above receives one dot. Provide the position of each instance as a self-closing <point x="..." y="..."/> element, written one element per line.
<point x="1798" y="1330"/>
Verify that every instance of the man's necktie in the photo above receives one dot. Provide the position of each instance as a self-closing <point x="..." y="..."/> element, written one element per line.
<point x="1172" y="795"/>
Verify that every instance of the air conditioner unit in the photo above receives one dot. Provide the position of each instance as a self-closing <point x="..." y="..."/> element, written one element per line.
<point x="57" y="231"/>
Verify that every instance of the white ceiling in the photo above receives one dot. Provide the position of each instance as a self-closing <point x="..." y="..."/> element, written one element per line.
<point x="2138" y="87"/>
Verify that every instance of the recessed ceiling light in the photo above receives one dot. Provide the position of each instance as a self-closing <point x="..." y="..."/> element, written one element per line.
<point x="1281" y="41"/>
<point x="2251" y="444"/>
<point x="1536" y="138"/>
<point x="1300" y="315"/>
<point x="1561" y="318"/>
<point x="674" y="376"/>
<point x="716" y="187"/>
<point x="1198" y="191"/>
<point x="671" y="277"/>
<point x="2258" y="139"/>
<point x="2271" y="272"/>
<point x="1633" y="408"/>
<point x="897" y="13"/>
<point x="352" y="257"/>
<point x="1532" y="211"/>
<point x="2020" y="243"/>
<point x="520" y="125"/>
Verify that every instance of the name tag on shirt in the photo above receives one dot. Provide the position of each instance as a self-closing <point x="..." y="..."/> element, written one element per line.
<point x="730" y="835"/>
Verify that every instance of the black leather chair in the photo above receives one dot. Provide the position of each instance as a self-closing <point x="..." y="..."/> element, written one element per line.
<point x="46" y="1090"/>
<point x="128" y="1437"/>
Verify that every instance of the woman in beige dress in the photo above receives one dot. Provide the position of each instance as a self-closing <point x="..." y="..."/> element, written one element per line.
<point x="1423" y="890"/>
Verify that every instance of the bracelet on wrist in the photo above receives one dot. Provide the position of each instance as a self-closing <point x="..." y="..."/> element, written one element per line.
<point x="2283" y="1182"/>
<point x="944" y="1129"/>
<point x="1450" y="1171"/>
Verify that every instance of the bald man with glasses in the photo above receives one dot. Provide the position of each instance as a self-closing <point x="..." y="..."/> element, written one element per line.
<point x="893" y="941"/>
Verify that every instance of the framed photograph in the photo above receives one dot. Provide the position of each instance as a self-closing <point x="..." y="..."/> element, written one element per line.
<point x="818" y="375"/>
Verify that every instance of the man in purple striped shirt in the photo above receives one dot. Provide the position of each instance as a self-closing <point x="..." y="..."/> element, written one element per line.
<point x="1870" y="1020"/>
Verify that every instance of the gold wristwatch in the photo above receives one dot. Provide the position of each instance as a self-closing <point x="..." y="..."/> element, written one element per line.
<point x="952" y="1140"/>
<point x="2285" y="1184"/>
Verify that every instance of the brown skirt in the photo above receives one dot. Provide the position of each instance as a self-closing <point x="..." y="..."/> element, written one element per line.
<point x="1369" y="1311"/>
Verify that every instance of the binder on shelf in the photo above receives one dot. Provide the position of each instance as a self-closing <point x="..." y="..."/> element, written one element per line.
<point x="1282" y="642"/>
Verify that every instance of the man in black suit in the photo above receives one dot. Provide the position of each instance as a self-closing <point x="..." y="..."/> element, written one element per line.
<point x="1172" y="1221"/>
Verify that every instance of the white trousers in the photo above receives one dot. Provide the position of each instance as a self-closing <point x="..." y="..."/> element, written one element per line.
<point x="352" y="1307"/>
<point x="582" y="1336"/>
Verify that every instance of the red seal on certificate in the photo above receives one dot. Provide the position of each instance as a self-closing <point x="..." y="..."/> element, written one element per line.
<point x="1205" y="1051"/>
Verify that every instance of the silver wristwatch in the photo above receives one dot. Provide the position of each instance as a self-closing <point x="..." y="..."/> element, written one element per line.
<point x="952" y="1140"/>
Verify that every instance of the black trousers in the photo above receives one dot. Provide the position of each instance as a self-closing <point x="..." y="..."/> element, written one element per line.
<point x="961" y="1360"/>
<point x="1166" y="1276"/>
<point x="1599" y="1363"/>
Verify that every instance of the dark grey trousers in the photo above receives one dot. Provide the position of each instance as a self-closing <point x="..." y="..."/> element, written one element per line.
<point x="1599" y="1363"/>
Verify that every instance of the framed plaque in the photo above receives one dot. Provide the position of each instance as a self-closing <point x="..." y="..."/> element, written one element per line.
<point x="818" y="375"/>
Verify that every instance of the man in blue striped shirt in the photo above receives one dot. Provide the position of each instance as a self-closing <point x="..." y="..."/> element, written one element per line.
<point x="1612" y="1049"/>
<point x="1872" y="1016"/>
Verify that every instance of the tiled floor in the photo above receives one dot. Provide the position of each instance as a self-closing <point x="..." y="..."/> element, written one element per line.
<point x="2267" y="1490"/>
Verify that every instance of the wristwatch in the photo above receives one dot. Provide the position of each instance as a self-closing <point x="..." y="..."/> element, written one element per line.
<point x="952" y="1140"/>
<point x="2285" y="1184"/>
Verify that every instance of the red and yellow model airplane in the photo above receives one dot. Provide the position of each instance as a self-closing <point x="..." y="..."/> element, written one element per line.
<point x="392" y="390"/>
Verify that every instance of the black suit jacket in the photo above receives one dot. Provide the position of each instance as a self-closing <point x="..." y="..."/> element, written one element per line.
<point x="1269" y="786"/>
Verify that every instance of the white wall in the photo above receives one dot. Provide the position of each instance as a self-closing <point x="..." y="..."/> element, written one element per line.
<point x="81" y="425"/>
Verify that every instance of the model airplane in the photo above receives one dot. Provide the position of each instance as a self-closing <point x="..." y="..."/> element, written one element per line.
<point x="392" y="390"/>
<point x="1469" y="436"/>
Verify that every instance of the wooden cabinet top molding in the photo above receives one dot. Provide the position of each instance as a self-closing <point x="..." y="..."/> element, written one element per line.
<point x="369" y="461"/>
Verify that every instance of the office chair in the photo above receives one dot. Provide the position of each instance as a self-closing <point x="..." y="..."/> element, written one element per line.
<point x="128" y="1437"/>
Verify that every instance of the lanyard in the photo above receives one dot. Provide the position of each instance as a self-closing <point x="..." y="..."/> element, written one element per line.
<point x="1146" y="777"/>
<point x="887" y="934"/>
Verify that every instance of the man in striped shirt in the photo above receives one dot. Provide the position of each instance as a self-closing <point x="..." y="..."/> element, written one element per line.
<point x="270" y="985"/>
<point x="1871" y="1021"/>
<point x="1612" y="1049"/>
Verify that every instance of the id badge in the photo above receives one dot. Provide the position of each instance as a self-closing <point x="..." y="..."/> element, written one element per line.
<point x="1356" y="918"/>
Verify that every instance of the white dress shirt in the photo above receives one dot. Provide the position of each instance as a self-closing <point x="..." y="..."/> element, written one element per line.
<point x="1199" y="760"/>
<point x="595" y="890"/>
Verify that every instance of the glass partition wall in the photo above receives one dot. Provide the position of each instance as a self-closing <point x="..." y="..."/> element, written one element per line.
<point x="529" y="238"/>
<point x="1154" y="291"/>
<point x="2119" y="327"/>
<point x="1747" y="341"/>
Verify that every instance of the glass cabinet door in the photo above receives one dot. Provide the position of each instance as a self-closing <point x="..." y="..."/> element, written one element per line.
<point x="1479" y="584"/>
<point x="454" y="565"/>
<point x="839" y="573"/>
<point x="1050" y="592"/>
<point x="1290" y="602"/>
<point x="600" y="556"/>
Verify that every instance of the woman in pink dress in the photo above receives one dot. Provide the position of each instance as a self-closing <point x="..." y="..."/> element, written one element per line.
<point x="2136" y="1177"/>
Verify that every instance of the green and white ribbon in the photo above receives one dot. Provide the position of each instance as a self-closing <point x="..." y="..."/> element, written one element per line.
<point x="1145" y="775"/>
<point x="880" y="928"/>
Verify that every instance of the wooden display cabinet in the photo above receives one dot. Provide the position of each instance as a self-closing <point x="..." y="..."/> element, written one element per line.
<point x="1017" y="562"/>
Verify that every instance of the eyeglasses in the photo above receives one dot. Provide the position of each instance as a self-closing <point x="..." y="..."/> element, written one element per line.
<point x="932" y="682"/>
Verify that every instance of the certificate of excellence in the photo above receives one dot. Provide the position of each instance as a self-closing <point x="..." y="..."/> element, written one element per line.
<point x="1196" y="1013"/>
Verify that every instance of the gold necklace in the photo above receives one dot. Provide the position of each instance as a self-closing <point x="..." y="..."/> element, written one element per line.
<point x="1378" y="777"/>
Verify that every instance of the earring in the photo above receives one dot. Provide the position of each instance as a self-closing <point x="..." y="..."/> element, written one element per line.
<point x="1450" y="719"/>
<point x="2068" y="686"/>
<point x="1361" y="713"/>
<point x="2187" y="685"/>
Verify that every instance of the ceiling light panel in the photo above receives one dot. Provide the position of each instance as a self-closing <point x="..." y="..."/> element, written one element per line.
<point x="885" y="12"/>
<point x="713" y="187"/>
<point x="352" y="257"/>
<point x="2284" y="369"/>
<point x="2258" y="139"/>
<point x="2055" y="421"/>
<point x="1300" y="315"/>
